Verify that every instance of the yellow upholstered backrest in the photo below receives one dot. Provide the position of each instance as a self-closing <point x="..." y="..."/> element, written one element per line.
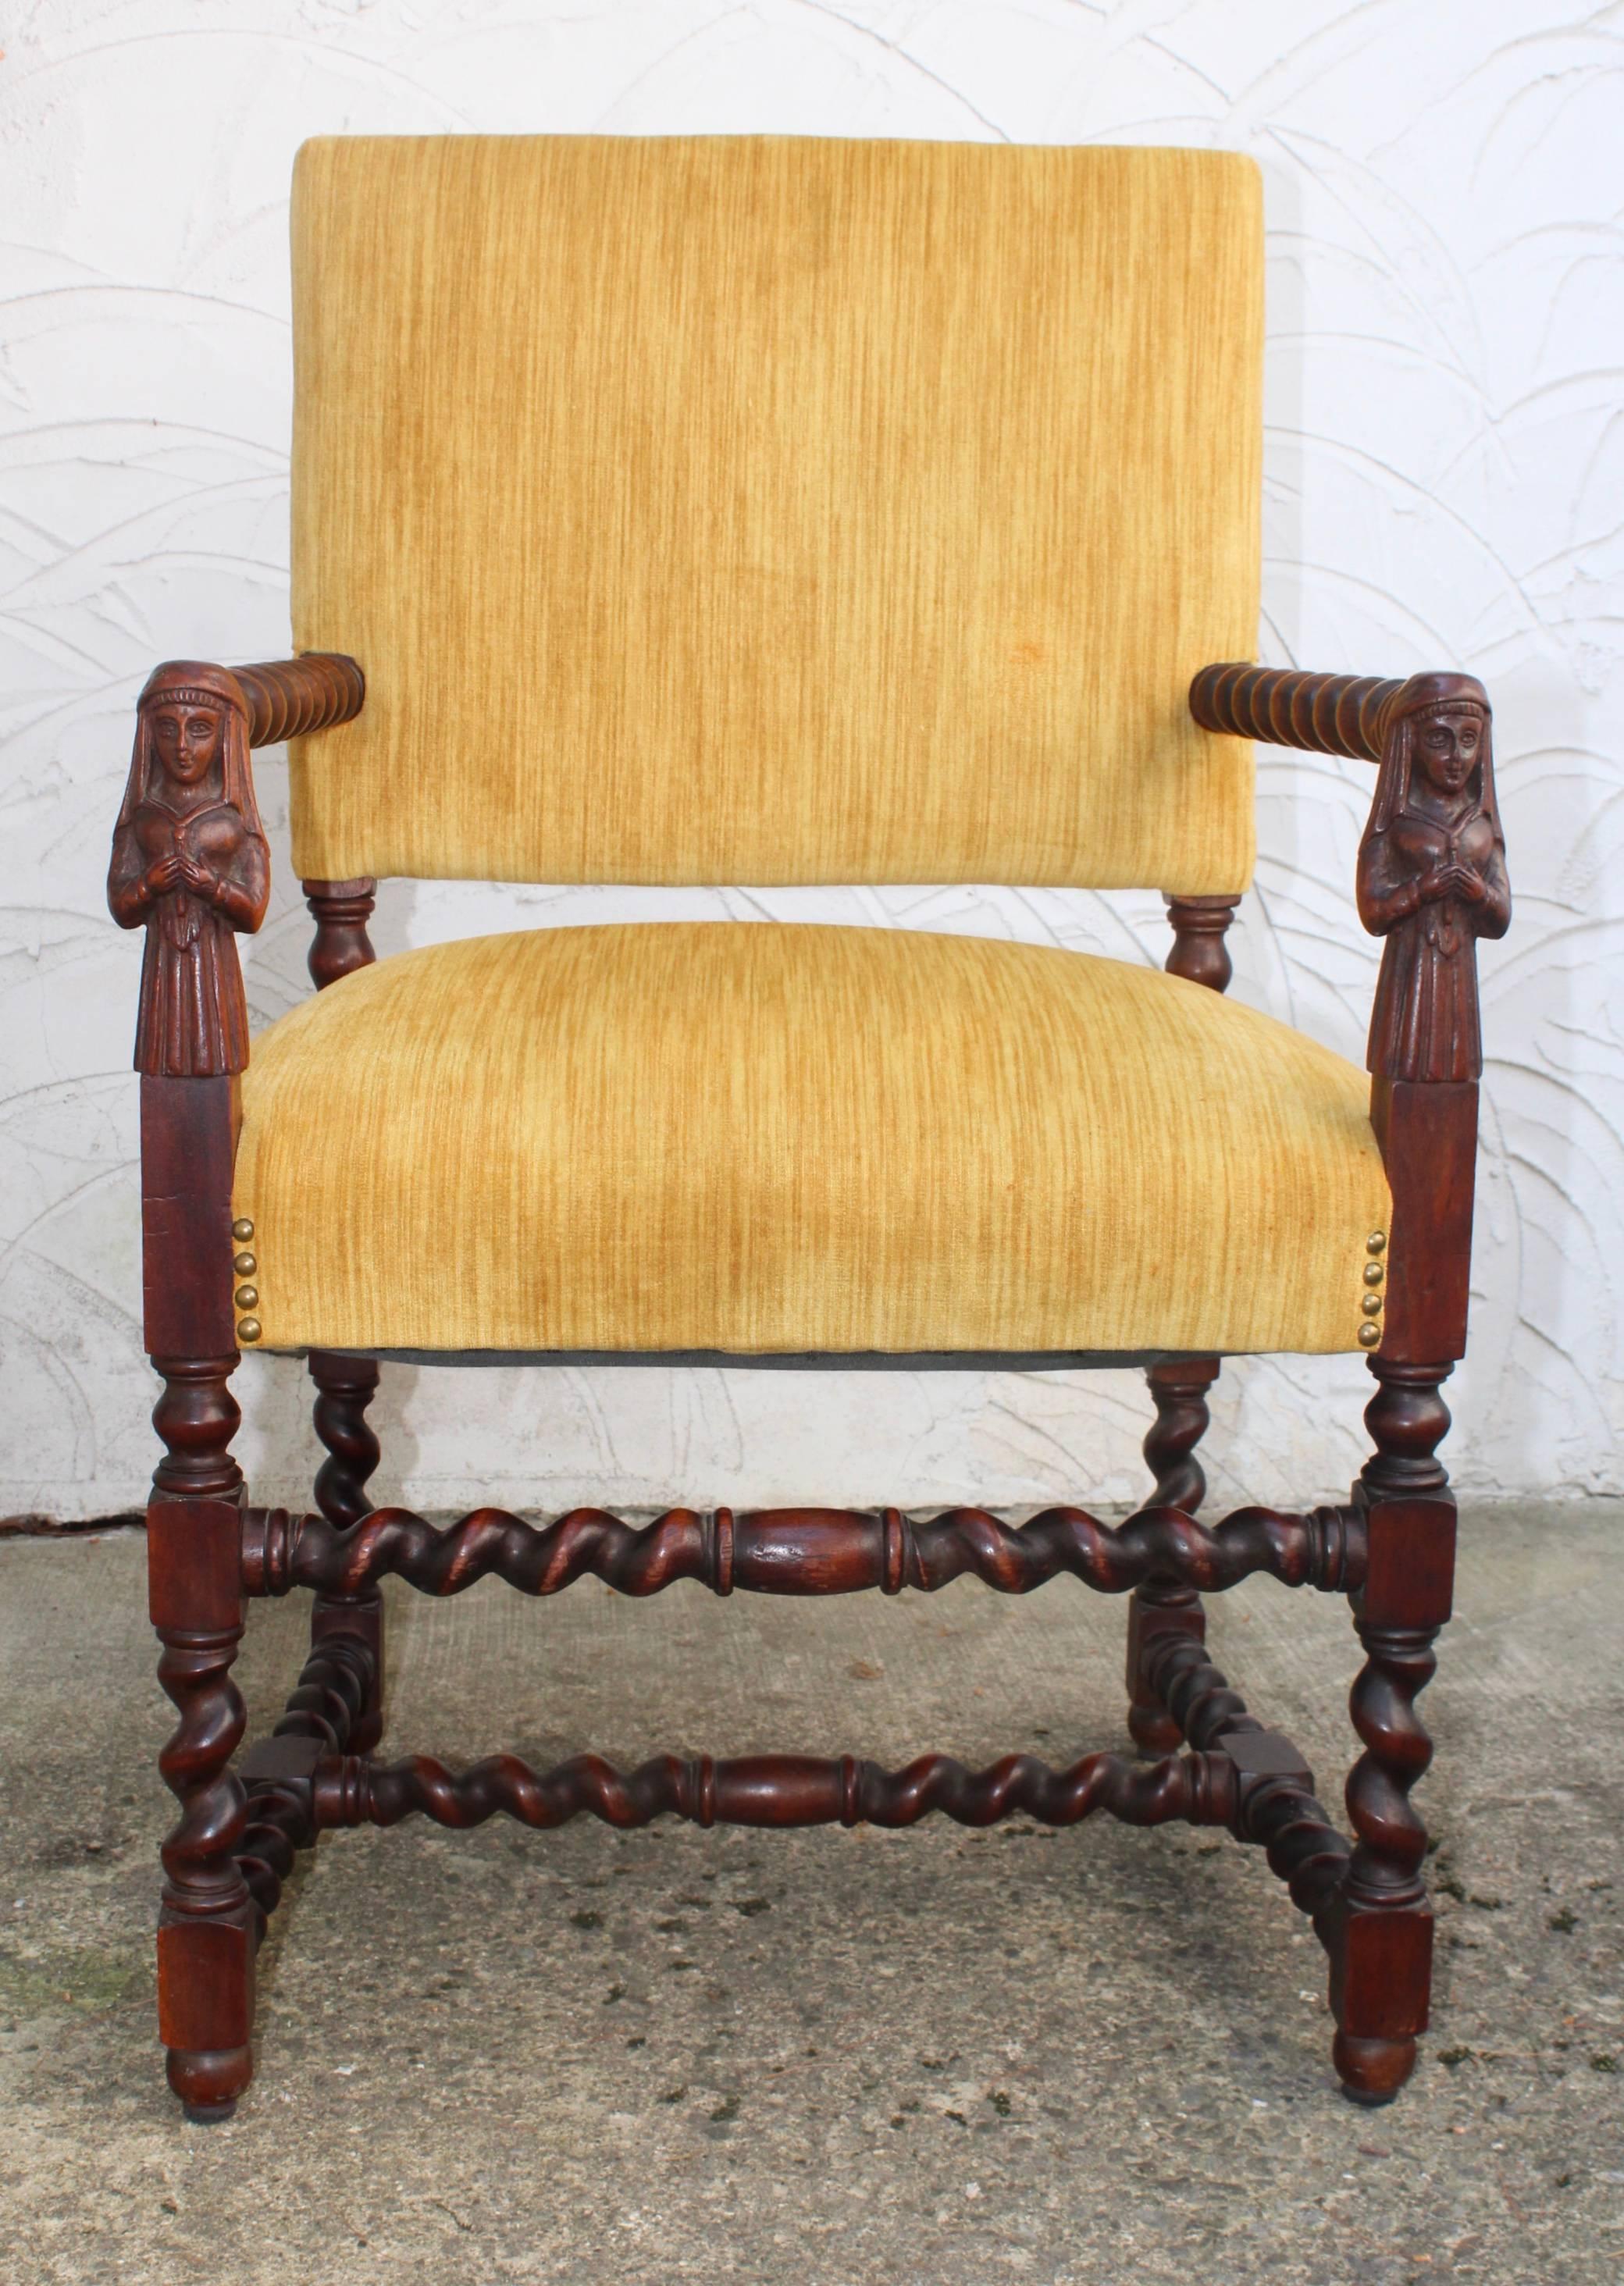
<point x="756" y="509"/>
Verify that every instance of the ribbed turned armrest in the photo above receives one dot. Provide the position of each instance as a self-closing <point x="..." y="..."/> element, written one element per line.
<point x="289" y="698"/>
<point x="1327" y="714"/>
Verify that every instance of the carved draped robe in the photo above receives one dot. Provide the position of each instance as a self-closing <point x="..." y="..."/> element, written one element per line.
<point x="194" y="1018"/>
<point x="1424" y="1024"/>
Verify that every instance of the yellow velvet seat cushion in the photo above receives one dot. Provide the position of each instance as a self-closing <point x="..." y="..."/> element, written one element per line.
<point x="755" y="1138"/>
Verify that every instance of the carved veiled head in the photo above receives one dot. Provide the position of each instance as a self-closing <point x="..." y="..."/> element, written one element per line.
<point x="1438" y="730"/>
<point x="192" y="722"/>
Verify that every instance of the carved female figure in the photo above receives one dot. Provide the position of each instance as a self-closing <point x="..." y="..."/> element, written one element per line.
<point x="190" y="860"/>
<point x="1432" y="879"/>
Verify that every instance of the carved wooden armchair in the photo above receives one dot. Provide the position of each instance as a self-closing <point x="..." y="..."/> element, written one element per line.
<point x="761" y="511"/>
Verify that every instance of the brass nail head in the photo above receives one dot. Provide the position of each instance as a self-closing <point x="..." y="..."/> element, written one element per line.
<point x="1369" y="1334"/>
<point x="246" y="1297"/>
<point x="242" y="1229"/>
<point x="249" y="1330"/>
<point x="1377" y="1243"/>
<point x="1373" y="1274"/>
<point x="245" y="1265"/>
<point x="1371" y="1305"/>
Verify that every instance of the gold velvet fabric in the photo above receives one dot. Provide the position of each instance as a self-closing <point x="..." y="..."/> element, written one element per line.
<point x="752" y="1137"/>
<point x="759" y="510"/>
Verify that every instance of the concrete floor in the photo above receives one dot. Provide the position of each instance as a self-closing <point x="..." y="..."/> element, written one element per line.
<point x="936" y="2057"/>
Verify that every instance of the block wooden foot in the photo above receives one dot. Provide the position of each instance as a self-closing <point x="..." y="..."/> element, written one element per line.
<point x="1372" y="2071"/>
<point x="209" y="2081"/>
<point x="186" y="2071"/>
<point x="1381" y="1979"/>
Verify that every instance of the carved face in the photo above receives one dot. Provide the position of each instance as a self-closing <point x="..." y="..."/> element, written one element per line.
<point x="1448" y="741"/>
<point x="187" y="741"/>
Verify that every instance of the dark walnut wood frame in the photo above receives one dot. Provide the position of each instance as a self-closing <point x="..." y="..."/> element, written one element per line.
<point x="1432" y="880"/>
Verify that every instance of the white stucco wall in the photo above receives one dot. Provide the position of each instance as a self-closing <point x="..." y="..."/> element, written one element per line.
<point x="1446" y="462"/>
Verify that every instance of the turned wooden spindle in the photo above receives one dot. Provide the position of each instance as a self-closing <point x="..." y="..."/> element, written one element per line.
<point x="321" y="1716"/>
<point x="775" y="1790"/>
<point x="196" y="1417"/>
<point x="1181" y="1422"/>
<point x="344" y="1388"/>
<point x="1200" y="954"/>
<point x="1275" y="1804"/>
<point x="1164" y="1606"/>
<point x="797" y="1551"/>
<point x="341" y="945"/>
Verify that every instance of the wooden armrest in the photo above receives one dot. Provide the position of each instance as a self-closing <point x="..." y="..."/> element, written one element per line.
<point x="1325" y="713"/>
<point x="1431" y="865"/>
<point x="290" y="698"/>
<point x="1431" y="881"/>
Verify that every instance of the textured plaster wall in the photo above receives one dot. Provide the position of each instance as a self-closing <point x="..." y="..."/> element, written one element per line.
<point x="1445" y="458"/>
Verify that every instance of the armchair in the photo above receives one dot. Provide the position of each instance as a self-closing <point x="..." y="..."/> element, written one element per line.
<point x="748" y="509"/>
